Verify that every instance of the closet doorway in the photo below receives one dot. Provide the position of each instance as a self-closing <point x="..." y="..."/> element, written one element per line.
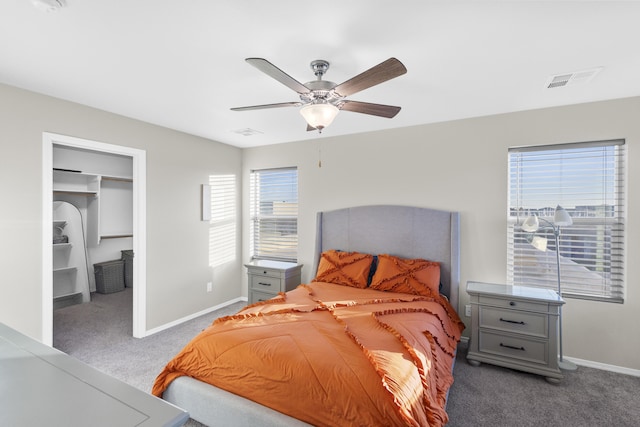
<point x="123" y="167"/>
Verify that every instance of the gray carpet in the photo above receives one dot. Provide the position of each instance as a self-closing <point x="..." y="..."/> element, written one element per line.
<point x="99" y="334"/>
<point x="493" y="396"/>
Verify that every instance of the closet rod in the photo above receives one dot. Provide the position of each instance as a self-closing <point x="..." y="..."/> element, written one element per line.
<point x="116" y="236"/>
<point x="113" y="178"/>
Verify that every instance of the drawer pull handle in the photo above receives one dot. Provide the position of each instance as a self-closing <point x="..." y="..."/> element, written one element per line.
<point x="512" y="303"/>
<point x="512" y="321"/>
<point x="264" y="284"/>
<point x="512" y="347"/>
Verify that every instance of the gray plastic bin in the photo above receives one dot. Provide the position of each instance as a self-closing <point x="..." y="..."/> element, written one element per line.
<point x="127" y="257"/>
<point x="109" y="276"/>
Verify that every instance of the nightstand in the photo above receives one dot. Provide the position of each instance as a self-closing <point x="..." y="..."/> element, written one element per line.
<point x="515" y="327"/>
<point x="267" y="278"/>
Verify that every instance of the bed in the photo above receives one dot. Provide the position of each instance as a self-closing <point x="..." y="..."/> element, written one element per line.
<point x="406" y="383"/>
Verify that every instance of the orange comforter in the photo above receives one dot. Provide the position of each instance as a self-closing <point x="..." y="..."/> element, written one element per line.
<point x="332" y="355"/>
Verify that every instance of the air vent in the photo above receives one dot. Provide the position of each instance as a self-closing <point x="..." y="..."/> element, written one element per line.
<point x="247" y="132"/>
<point x="570" y="79"/>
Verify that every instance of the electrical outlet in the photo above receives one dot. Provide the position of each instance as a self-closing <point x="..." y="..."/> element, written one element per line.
<point x="209" y="286"/>
<point x="467" y="310"/>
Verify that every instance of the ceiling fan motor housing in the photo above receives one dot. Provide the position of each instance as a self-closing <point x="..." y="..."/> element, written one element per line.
<point x="320" y="91"/>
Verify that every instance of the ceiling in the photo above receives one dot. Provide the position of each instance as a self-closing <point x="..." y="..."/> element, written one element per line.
<point x="180" y="64"/>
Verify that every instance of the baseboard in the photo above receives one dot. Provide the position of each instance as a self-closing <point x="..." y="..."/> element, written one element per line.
<point x="589" y="364"/>
<point x="193" y="316"/>
<point x="605" y="366"/>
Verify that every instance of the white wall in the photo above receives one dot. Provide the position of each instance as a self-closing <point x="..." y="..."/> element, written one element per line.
<point x="177" y="241"/>
<point x="462" y="166"/>
<point x="457" y="165"/>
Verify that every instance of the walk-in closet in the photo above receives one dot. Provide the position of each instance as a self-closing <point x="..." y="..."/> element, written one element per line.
<point x="92" y="232"/>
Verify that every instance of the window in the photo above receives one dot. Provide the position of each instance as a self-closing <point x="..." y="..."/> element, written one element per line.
<point x="274" y="214"/>
<point x="222" y="225"/>
<point x="588" y="180"/>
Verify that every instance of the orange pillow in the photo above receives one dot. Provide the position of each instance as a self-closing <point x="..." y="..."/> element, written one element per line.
<point x="408" y="276"/>
<point x="344" y="268"/>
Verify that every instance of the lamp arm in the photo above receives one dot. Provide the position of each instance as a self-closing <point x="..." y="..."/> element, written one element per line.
<point x="552" y="226"/>
<point x="556" y="233"/>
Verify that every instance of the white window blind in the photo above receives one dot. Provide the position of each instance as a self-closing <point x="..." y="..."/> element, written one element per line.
<point x="588" y="180"/>
<point x="274" y="214"/>
<point x="222" y="225"/>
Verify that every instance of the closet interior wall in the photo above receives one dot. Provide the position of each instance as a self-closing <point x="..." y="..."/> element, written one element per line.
<point x="108" y="216"/>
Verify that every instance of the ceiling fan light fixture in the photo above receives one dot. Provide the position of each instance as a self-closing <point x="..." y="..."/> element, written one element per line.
<point x="319" y="115"/>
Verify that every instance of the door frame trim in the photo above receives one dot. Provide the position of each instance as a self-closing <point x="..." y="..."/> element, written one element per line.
<point x="139" y="227"/>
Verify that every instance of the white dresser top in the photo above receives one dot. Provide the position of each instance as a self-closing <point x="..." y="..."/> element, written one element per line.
<point x="506" y="291"/>
<point x="42" y="386"/>
<point x="277" y="265"/>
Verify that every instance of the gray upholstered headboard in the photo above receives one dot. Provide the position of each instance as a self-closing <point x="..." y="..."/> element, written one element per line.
<point x="404" y="231"/>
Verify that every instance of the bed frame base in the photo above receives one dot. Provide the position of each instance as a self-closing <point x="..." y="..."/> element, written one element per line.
<point x="213" y="406"/>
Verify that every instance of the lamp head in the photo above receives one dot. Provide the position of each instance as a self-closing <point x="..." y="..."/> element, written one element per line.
<point x="531" y="224"/>
<point x="540" y="243"/>
<point x="561" y="217"/>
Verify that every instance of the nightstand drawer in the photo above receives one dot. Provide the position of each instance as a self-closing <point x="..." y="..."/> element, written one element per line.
<point x="522" y="322"/>
<point x="265" y="283"/>
<point x="257" y="296"/>
<point x="514" y="304"/>
<point x="265" y="272"/>
<point x="514" y="347"/>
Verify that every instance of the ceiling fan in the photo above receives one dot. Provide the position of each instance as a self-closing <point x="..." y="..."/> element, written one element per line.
<point x="321" y="100"/>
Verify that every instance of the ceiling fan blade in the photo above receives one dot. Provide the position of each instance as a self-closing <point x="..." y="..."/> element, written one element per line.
<point x="272" y="71"/>
<point x="262" y="107"/>
<point x="382" y="72"/>
<point x="381" y="110"/>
